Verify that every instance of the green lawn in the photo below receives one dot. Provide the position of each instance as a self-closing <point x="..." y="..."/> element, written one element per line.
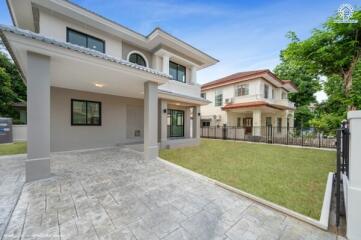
<point x="12" y="148"/>
<point x="292" y="177"/>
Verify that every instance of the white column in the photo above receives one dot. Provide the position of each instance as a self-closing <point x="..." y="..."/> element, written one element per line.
<point x="354" y="189"/>
<point x="150" y="120"/>
<point x="196" y="122"/>
<point x="37" y="165"/>
<point x="193" y="75"/>
<point x="257" y="122"/>
<point x="187" y="122"/>
<point x="165" y="66"/>
<point x="163" y="123"/>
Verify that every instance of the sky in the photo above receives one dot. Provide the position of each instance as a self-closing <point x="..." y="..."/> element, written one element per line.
<point x="242" y="35"/>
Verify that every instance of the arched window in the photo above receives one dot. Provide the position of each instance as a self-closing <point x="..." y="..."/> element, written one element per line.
<point x="137" y="59"/>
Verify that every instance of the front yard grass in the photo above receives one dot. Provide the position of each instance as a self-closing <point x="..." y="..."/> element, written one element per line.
<point x="12" y="148"/>
<point x="292" y="177"/>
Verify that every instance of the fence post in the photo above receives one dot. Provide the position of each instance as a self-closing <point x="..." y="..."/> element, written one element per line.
<point x="224" y="131"/>
<point x="302" y="136"/>
<point x="288" y="129"/>
<point x="354" y="185"/>
<point x="319" y="140"/>
<point x="338" y="176"/>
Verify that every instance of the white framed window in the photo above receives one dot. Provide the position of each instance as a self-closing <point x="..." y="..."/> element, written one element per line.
<point x="266" y="91"/>
<point x="242" y="90"/>
<point x="218" y="98"/>
<point x="284" y="95"/>
<point x="203" y="95"/>
<point x="137" y="58"/>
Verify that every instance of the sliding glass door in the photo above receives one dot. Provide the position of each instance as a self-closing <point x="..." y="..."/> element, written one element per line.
<point x="175" y="123"/>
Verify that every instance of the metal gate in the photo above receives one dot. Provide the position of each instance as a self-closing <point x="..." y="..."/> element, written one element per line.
<point x="342" y="171"/>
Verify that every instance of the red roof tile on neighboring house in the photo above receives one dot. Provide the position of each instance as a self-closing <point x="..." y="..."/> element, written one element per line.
<point x="243" y="76"/>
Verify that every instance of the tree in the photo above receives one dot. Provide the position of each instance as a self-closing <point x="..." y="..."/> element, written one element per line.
<point x="334" y="49"/>
<point x="6" y="93"/>
<point x="307" y="83"/>
<point x="12" y="87"/>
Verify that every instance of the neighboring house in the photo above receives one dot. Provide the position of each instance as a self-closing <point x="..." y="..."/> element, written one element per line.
<point x="93" y="83"/>
<point x="254" y="101"/>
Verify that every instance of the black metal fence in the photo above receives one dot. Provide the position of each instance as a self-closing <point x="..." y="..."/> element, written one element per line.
<point x="343" y="136"/>
<point x="280" y="135"/>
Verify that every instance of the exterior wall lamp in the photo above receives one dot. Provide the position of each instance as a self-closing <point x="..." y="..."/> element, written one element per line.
<point x="164" y="110"/>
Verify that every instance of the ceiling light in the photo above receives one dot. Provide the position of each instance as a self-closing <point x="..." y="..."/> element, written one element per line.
<point x="99" y="85"/>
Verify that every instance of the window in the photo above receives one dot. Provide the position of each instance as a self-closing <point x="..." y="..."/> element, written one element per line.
<point x="206" y="124"/>
<point x="218" y="100"/>
<point x="177" y="71"/>
<point x="279" y="125"/>
<point x="268" y="121"/>
<point x="204" y="95"/>
<point x="284" y="95"/>
<point x="273" y="93"/>
<point x="242" y="90"/>
<point x="85" y="40"/>
<point x="266" y="90"/>
<point x="239" y="122"/>
<point x="175" y="122"/>
<point x="137" y="59"/>
<point x="87" y="113"/>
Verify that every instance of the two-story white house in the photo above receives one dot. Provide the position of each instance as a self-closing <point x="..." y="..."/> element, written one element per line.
<point x="93" y="83"/>
<point x="251" y="101"/>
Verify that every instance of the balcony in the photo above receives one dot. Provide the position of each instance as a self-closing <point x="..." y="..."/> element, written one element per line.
<point x="192" y="90"/>
<point x="260" y="97"/>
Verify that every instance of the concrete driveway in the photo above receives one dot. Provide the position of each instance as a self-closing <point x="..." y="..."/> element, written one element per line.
<point x="12" y="178"/>
<point x="115" y="194"/>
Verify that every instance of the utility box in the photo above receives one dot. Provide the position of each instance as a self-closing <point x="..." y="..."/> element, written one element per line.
<point x="6" y="130"/>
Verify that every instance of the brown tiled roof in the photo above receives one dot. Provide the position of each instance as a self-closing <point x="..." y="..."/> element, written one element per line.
<point x="254" y="104"/>
<point x="242" y="76"/>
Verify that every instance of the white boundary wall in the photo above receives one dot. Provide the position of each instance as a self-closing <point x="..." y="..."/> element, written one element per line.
<point x="20" y="132"/>
<point x="354" y="184"/>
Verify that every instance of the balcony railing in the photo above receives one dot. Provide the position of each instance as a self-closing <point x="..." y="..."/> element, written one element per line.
<point x="260" y="97"/>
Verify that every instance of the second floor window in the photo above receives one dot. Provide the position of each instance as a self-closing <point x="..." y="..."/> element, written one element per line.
<point x="284" y="95"/>
<point x="242" y="90"/>
<point x="266" y="91"/>
<point x="137" y="59"/>
<point x="177" y="71"/>
<point x="85" y="40"/>
<point x="218" y="100"/>
<point x="203" y="95"/>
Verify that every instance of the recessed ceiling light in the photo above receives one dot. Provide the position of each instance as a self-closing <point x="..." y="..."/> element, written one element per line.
<point x="177" y="104"/>
<point x="99" y="85"/>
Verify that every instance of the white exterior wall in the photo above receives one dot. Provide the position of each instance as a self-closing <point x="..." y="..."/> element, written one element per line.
<point x="54" y="26"/>
<point x="120" y="118"/>
<point x="20" y="132"/>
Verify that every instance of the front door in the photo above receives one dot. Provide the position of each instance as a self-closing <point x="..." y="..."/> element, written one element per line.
<point x="247" y="124"/>
<point x="175" y="122"/>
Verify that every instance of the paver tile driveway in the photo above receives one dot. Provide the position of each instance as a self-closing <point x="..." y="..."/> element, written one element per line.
<point x="12" y="178"/>
<point x="115" y="194"/>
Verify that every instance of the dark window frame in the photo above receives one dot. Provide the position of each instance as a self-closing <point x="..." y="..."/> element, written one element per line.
<point x="86" y="113"/>
<point x="138" y="56"/>
<point x="87" y="36"/>
<point x="204" y="95"/>
<point x="279" y="125"/>
<point x="177" y="70"/>
<point x="170" y="132"/>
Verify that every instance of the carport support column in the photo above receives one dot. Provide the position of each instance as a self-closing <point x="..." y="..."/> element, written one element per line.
<point x="37" y="165"/>
<point x="196" y="122"/>
<point x="354" y="186"/>
<point x="150" y="120"/>
<point x="257" y="123"/>
<point x="163" y="122"/>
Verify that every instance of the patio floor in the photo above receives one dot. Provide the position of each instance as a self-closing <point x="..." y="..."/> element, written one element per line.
<point x="115" y="194"/>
